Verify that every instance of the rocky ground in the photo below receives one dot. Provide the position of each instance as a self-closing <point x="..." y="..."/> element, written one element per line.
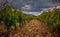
<point x="34" y="28"/>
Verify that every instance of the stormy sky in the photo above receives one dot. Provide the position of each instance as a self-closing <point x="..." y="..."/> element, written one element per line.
<point x="31" y="5"/>
<point x="34" y="4"/>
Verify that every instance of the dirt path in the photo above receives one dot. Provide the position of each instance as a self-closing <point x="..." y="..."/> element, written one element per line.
<point x="34" y="28"/>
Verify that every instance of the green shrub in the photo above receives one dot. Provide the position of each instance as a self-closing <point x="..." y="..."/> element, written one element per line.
<point x="24" y="17"/>
<point x="51" y="18"/>
<point x="10" y="17"/>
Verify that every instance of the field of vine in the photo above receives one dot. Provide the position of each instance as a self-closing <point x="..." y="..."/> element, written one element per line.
<point x="12" y="16"/>
<point x="51" y="18"/>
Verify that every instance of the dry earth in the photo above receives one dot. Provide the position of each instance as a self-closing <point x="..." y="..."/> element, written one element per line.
<point x="34" y="28"/>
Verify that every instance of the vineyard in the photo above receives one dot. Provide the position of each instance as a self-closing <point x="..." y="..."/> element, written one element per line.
<point x="51" y="18"/>
<point x="12" y="16"/>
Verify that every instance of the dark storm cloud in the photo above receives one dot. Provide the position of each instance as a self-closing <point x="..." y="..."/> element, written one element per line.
<point x="33" y="3"/>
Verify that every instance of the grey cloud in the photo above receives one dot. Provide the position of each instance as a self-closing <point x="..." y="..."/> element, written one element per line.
<point x="36" y="4"/>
